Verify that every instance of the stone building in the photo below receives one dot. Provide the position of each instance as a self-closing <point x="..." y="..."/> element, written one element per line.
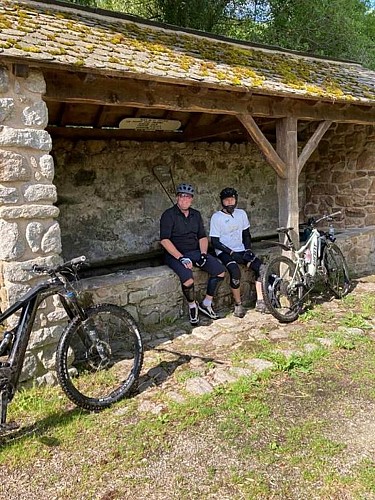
<point x="100" y="115"/>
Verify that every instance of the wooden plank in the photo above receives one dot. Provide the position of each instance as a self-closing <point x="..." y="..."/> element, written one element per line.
<point x="312" y="144"/>
<point x="287" y="187"/>
<point x="68" y="87"/>
<point x="264" y="145"/>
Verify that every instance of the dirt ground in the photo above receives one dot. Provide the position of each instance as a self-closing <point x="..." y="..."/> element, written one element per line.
<point x="305" y="435"/>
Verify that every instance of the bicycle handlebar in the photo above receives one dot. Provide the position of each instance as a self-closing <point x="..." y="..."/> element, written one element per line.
<point x="330" y="216"/>
<point x="76" y="262"/>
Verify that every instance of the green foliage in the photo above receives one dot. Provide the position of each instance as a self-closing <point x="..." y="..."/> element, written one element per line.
<point x="333" y="28"/>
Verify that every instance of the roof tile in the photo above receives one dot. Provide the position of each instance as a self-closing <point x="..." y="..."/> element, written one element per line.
<point x="67" y="35"/>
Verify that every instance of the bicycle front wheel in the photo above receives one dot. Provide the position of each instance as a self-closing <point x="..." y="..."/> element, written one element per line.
<point x="98" y="360"/>
<point x="338" y="280"/>
<point x="282" y="289"/>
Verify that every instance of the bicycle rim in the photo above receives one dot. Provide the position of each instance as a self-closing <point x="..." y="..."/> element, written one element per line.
<point x="338" y="280"/>
<point x="98" y="361"/>
<point x="282" y="289"/>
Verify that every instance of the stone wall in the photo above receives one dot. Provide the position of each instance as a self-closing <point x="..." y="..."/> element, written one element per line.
<point x="341" y="175"/>
<point x="110" y="202"/>
<point x="29" y="232"/>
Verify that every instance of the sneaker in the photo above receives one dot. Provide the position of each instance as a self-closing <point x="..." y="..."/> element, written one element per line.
<point x="208" y="311"/>
<point x="193" y="315"/>
<point x="261" y="307"/>
<point x="239" y="311"/>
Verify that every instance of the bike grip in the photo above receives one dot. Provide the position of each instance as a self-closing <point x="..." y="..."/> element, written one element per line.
<point x="335" y="213"/>
<point x="78" y="260"/>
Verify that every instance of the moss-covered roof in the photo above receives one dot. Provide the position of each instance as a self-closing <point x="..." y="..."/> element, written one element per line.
<point x="61" y="34"/>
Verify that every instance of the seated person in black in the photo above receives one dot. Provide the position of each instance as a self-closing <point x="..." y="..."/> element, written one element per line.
<point x="184" y="240"/>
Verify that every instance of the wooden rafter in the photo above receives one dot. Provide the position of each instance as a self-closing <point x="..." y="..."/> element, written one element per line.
<point x="147" y="94"/>
<point x="264" y="145"/>
<point x="312" y="144"/>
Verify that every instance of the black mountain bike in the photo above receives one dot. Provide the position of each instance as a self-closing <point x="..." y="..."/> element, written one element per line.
<point x="286" y="282"/>
<point x="100" y="352"/>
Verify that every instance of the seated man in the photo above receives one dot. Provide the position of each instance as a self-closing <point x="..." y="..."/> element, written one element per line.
<point x="230" y="237"/>
<point x="184" y="240"/>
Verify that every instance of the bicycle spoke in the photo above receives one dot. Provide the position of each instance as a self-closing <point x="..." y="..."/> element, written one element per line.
<point x="99" y="361"/>
<point x="283" y="289"/>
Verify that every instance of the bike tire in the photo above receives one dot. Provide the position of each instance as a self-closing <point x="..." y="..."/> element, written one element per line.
<point x="96" y="374"/>
<point x="337" y="272"/>
<point x="282" y="289"/>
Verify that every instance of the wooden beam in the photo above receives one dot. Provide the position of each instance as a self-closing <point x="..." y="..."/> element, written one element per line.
<point x="287" y="188"/>
<point x="312" y="144"/>
<point x="113" y="133"/>
<point x="264" y="145"/>
<point x="68" y="87"/>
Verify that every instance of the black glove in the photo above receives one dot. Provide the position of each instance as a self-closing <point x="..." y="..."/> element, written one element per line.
<point x="237" y="257"/>
<point x="202" y="260"/>
<point x="249" y="256"/>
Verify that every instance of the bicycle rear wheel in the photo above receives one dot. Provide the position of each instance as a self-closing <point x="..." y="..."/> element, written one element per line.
<point x="98" y="360"/>
<point x="338" y="279"/>
<point x="282" y="289"/>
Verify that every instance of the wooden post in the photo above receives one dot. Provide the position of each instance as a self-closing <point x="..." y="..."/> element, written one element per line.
<point x="287" y="188"/>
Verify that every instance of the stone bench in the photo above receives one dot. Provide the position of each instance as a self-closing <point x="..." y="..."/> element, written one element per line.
<point x="153" y="294"/>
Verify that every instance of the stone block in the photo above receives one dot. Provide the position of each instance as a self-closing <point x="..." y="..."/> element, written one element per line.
<point x="51" y="240"/>
<point x="30" y="367"/>
<point x="40" y="192"/>
<point x="4" y="80"/>
<point x="25" y="138"/>
<point x="35" y="115"/>
<point x="12" y="245"/>
<point x="47" y="169"/>
<point x="29" y="212"/>
<point x="13" y="167"/>
<point x="9" y="195"/>
<point x="6" y="108"/>
<point x="35" y="82"/>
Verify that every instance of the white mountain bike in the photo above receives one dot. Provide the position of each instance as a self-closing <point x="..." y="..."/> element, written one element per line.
<point x="286" y="282"/>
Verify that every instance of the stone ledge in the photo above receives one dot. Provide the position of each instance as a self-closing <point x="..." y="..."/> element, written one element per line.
<point x="153" y="294"/>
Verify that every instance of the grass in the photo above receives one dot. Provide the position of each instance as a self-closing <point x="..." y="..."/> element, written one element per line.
<point x="281" y="433"/>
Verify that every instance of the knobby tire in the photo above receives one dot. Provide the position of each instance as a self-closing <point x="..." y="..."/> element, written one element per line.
<point x="338" y="279"/>
<point x="283" y="300"/>
<point x="98" y="361"/>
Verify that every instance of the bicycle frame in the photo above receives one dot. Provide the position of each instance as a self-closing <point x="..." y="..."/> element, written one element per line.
<point x="10" y="371"/>
<point x="309" y="254"/>
<point x="307" y="258"/>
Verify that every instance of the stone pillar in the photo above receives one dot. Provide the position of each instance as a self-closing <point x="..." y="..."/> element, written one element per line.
<point x="29" y="232"/>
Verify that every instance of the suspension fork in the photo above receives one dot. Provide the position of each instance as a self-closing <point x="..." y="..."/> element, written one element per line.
<point x="11" y="370"/>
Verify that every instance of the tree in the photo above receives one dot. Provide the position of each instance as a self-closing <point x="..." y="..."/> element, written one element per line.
<point x="342" y="29"/>
<point x="333" y="28"/>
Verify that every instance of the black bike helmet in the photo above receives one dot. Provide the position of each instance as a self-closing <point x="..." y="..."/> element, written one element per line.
<point x="228" y="193"/>
<point x="185" y="188"/>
